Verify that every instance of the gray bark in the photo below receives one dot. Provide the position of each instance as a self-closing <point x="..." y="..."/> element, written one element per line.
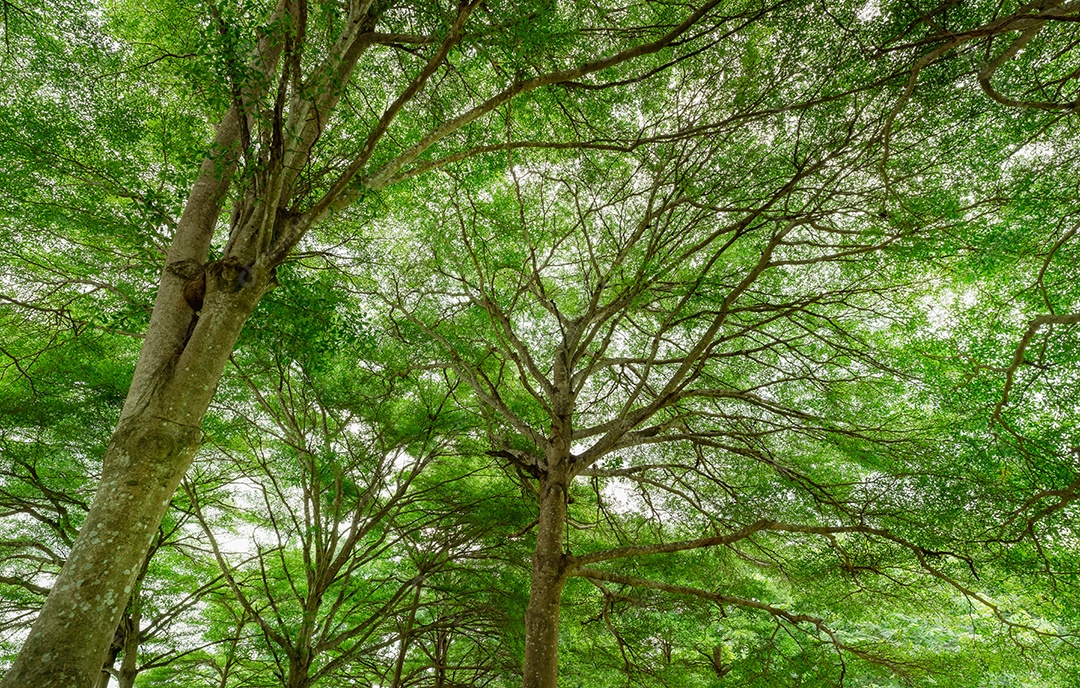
<point x="541" y="668"/>
<point x="153" y="445"/>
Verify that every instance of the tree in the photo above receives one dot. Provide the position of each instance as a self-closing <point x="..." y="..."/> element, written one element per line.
<point x="318" y="108"/>
<point x="709" y="344"/>
<point x="351" y="529"/>
<point x="771" y="128"/>
<point x="44" y="492"/>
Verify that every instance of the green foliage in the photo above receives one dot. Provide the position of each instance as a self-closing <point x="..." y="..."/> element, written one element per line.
<point x="868" y="264"/>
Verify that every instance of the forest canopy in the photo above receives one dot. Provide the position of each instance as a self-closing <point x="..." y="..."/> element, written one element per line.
<point x="501" y="343"/>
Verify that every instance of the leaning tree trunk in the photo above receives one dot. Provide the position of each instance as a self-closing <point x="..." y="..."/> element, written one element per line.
<point x="188" y="342"/>
<point x="541" y="668"/>
<point x="179" y="367"/>
<point x="153" y="445"/>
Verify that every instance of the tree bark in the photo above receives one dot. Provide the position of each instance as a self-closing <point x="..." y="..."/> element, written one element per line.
<point x="541" y="668"/>
<point x="299" y="671"/>
<point x="129" y="663"/>
<point x="153" y="445"/>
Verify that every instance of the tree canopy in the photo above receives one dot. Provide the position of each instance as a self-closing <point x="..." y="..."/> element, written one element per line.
<point x="494" y="343"/>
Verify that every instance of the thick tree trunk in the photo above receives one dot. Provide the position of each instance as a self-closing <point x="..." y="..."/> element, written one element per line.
<point x="154" y="443"/>
<point x="178" y="370"/>
<point x="548" y="577"/>
<point x="92" y="589"/>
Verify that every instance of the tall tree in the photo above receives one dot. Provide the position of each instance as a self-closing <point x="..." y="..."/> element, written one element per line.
<point x="715" y="344"/>
<point x="52" y="432"/>
<point x="716" y="314"/>
<point x="351" y="533"/>
<point x="318" y="107"/>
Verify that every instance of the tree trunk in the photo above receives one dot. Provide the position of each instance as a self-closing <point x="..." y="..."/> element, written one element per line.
<point x="442" y="656"/>
<point x="129" y="663"/>
<point x="299" y="671"/>
<point x="548" y="577"/>
<point x="155" y="441"/>
<point x="110" y="661"/>
<point x="406" y="637"/>
<point x="159" y="431"/>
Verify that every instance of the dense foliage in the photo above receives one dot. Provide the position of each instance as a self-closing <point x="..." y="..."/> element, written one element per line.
<point x="641" y="343"/>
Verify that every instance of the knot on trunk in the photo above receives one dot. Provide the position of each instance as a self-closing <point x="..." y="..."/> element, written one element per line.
<point x="149" y="442"/>
<point x="154" y="443"/>
<point x="231" y="276"/>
